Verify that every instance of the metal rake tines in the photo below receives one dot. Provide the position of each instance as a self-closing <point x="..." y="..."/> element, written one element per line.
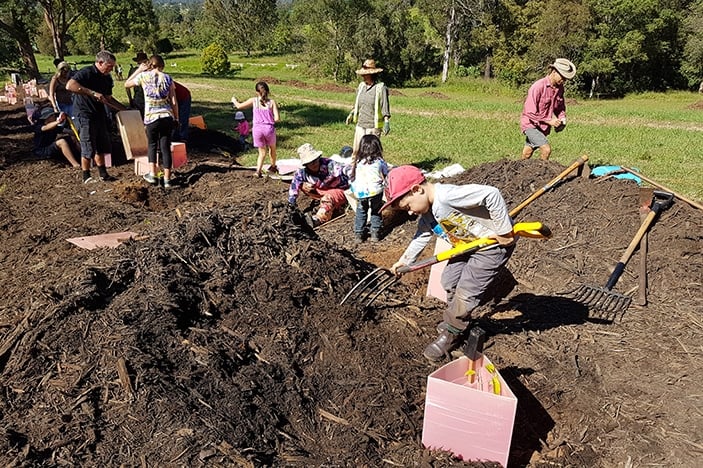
<point x="370" y="287"/>
<point x="604" y="302"/>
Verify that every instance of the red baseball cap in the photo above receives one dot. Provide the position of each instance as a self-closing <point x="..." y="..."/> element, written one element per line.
<point x="400" y="180"/>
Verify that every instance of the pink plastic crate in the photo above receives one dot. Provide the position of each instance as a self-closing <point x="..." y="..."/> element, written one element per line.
<point x="467" y="419"/>
<point x="178" y="155"/>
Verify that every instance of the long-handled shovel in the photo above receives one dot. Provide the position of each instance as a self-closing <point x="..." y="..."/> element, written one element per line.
<point x="373" y="284"/>
<point x="604" y="303"/>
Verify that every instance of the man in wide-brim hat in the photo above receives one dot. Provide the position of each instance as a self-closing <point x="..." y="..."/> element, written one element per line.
<point x="545" y="109"/>
<point x="372" y="111"/>
<point x="136" y="95"/>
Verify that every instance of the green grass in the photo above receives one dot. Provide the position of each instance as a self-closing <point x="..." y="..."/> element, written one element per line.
<point x="465" y="121"/>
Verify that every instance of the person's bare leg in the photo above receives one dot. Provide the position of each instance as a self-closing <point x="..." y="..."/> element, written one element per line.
<point x="272" y="154"/>
<point x="67" y="153"/>
<point x="527" y="152"/>
<point x="167" y="174"/>
<point x="260" y="160"/>
<point x="545" y="151"/>
<point x="99" y="160"/>
<point x="85" y="163"/>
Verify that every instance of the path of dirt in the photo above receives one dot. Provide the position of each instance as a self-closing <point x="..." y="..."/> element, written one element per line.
<point x="215" y="339"/>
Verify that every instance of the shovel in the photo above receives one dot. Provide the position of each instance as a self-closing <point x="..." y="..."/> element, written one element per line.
<point x="604" y="302"/>
<point x="380" y="279"/>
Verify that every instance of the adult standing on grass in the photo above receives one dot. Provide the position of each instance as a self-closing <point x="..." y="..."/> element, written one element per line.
<point x="92" y="89"/>
<point x="545" y="109"/>
<point x="372" y="111"/>
<point x="264" y="118"/>
<point x="61" y="98"/>
<point x="160" y="114"/>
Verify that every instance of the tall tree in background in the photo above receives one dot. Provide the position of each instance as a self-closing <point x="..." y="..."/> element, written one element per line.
<point x="692" y="66"/>
<point x="18" y="19"/>
<point x="332" y="30"/>
<point x="244" y="24"/>
<point x="59" y="15"/>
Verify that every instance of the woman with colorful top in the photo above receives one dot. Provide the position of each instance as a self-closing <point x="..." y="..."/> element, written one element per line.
<point x="265" y="115"/>
<point x="160" y="113"/>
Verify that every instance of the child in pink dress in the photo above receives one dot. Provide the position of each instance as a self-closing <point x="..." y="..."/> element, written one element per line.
<point x="242" y="129"/>
<point x="265" y="115"/>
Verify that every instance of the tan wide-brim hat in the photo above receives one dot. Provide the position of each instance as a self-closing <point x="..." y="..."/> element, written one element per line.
<point x="564" y="67"/>
<point x="369" y="68"/>
<point x="308" y="154"/>
<point x="63" y="66"/>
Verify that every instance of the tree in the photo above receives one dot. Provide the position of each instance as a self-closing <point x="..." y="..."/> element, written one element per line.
<point x="18" y="19"/>
<point x="59" y="15"/>
<point x="245" y="24"/>
<point x="692" y="66"/>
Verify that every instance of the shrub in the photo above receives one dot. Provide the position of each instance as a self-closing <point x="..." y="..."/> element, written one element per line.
<point x="164" y="46"/>
<point x="214" y="60"/>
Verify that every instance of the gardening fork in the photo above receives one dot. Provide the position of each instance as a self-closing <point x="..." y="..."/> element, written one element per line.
<point x="604" y="303"/>
<point x="372" y="285"/>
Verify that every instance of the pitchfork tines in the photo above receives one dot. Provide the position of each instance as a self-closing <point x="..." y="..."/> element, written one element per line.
<point x="370" y="287"/>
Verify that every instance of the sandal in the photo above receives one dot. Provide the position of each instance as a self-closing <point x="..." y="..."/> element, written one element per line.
<point x="257" y="174"/>
<point x="273" y="168"/>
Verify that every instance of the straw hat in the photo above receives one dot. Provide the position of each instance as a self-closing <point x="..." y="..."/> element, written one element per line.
<point x="369" y="68"/>
<point x="63" y="65"/>
<point x="308" y="154"/>
<point x="564" y="67"/>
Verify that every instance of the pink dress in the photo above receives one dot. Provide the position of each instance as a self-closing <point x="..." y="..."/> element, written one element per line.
<point x="264" y="131"/>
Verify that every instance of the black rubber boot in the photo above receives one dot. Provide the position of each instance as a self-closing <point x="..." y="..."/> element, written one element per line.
<point x="442" y="346"/>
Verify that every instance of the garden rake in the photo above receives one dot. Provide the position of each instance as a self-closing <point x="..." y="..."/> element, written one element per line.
<point x="604" y="303"/>
<point x="372" y="285"/>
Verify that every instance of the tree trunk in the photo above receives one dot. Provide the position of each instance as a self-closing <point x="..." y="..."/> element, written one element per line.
<point x="488" y="66"/>
<point x="448" y="43"/>
<point x="28" y="59"/>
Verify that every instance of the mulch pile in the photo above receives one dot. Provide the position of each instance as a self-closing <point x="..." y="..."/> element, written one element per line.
<point x="215" y="338"/>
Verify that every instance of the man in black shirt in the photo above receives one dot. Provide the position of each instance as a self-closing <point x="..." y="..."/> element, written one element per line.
<point x="92" y="88"/>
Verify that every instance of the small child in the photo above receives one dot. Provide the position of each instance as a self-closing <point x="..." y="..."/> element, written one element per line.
<point x="370" y="171"/>
<point x="242" y="128"/>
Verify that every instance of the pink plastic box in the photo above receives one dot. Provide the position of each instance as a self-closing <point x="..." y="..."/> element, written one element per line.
<point x="178" y="155"/>
<point x="469" y="419"/>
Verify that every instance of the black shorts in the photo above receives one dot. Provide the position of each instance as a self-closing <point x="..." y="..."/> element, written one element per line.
<point x="94" y="135"/>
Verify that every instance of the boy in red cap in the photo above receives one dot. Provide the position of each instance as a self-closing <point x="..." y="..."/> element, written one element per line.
<point x="456" y="213"/>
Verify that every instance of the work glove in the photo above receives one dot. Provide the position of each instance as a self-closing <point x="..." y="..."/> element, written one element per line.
<point x="386" y="127"/>
<point x="349" y="119"/>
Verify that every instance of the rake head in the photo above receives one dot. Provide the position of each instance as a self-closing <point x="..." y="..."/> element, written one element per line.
<point x="602" y="303"/>
<point x="370" y="287"/>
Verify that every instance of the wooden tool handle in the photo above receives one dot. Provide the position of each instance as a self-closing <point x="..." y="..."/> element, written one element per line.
<point x="577" y="163"/>
<point x="650" y="181"/>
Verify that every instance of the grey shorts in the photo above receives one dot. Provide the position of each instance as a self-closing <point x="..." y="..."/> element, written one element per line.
<point x="535" y="138"/>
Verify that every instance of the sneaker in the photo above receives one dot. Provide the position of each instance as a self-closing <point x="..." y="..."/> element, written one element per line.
<point x="375" y="237"/>
<point x="358" y="238"/>
<point x="167" y="183"/>
<point x="442" y="346"/>
<point x="105" y="177"/>
<point x="151" y="178"/>
<point x="89" y="180"/>
<point x="312" y="221"/>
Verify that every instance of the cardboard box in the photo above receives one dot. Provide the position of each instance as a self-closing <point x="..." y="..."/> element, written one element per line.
<point x="469" y="420"/>
<point x="133" y="133"/>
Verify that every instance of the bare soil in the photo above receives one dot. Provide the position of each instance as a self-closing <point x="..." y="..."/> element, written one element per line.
<point x="216" y="339"/>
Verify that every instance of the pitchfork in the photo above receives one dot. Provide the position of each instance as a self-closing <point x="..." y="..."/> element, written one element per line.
<point x="372" y="285"/>
<point x="603" y="303"/>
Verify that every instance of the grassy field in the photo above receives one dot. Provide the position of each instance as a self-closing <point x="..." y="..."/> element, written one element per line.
<point x="464" y="121"/>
